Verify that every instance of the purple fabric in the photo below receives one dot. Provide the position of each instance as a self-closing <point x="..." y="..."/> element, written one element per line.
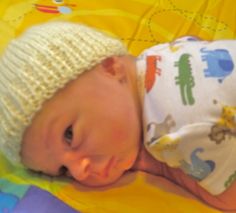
<point x="37" y="200"/>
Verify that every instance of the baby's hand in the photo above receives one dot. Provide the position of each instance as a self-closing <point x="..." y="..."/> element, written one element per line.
<point x="145" y="162"/>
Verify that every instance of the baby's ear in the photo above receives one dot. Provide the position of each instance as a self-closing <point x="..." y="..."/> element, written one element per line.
<point x="114" y="67"/>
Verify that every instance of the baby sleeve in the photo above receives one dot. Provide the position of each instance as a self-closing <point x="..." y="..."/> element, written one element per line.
<point x="201" y="151"/>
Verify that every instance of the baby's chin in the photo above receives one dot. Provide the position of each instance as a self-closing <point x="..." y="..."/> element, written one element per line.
<point x="101" y="181"/>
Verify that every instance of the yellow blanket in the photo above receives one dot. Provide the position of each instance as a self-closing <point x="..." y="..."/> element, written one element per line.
<point x="140" y="24"/>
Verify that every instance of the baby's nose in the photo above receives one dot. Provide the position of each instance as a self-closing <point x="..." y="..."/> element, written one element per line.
<point x="80" y="170"/>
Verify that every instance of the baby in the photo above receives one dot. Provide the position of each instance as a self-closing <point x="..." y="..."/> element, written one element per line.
<point x="74" y="102"/>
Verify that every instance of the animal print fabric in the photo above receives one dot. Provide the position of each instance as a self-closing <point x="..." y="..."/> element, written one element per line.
<point x="189" y="107"/>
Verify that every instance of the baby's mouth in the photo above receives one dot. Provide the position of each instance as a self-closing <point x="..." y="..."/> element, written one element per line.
<point x="109" y="166"/>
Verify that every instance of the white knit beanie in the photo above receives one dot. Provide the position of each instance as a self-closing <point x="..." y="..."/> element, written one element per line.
<point x="37" y="64"/>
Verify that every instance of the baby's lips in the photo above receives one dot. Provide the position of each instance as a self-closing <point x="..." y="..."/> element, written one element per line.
<point x="109" y="166"/>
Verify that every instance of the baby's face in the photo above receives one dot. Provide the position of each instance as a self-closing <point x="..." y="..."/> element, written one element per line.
<point x="89" y="130"/>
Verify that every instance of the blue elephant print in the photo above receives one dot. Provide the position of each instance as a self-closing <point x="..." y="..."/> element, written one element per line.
<point x="198" y="168"/>
<point x="219" y="62"/>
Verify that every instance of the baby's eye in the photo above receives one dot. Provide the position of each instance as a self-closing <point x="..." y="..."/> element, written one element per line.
<point x="68" y="135"/>
<point x="62" y="171"/>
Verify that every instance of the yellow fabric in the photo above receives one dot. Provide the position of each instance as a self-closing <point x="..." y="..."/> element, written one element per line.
<point x="140" y="24"/>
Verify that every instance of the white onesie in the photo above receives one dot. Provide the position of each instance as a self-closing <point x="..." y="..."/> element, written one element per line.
<point x="190" y="108"/>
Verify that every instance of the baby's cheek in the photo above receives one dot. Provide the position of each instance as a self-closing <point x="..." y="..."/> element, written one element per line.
<point x="120" y="135"/>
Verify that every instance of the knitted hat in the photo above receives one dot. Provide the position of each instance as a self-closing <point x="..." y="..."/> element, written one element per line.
<point x="39" y="63"/>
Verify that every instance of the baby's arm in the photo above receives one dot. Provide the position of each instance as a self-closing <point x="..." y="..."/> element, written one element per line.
<point x="225" y="201"/>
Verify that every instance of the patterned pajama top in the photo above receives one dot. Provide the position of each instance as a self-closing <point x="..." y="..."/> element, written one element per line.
<point x="189" y="105"/>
